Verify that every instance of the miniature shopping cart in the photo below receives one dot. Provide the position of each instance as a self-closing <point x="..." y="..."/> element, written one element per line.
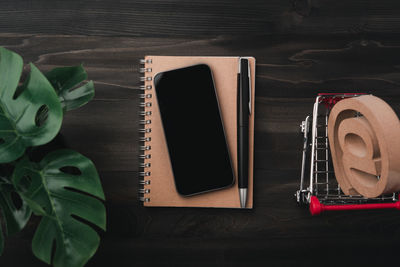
<point x="323" y="192"/>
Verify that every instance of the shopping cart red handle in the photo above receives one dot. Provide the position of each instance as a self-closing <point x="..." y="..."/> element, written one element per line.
<point x="316" y="207"/>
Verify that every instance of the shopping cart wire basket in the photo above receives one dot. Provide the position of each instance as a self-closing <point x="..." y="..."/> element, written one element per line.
<point x="322" y="192"/>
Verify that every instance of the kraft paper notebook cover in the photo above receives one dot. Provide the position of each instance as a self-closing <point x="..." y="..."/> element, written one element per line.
<point x="156" y="177"/>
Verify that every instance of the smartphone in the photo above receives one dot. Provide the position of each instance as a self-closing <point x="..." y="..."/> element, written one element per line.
<point x="194" y="130"/>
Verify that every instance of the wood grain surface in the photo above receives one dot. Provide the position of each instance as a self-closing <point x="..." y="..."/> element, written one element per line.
<point x="199" y="17"/>
<point x="301" y="47"/>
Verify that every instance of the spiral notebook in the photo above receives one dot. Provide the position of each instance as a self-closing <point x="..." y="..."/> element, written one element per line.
<point x="155" y="175"/>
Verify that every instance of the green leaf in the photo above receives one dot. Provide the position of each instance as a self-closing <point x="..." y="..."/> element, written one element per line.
<point x="30" y="115"/>
<point x="67" y="81"/>
<point x="15" y="217"/>
<point x="63" y="185"/>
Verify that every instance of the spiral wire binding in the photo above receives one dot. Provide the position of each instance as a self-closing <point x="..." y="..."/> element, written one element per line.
<point x="145" y="130"/>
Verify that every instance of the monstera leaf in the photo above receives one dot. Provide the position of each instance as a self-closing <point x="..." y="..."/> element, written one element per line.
<point x="62" y="188"/>
<point x="15" y="217"/>
<point x="67" y="81"/>
<point x="30" y="114"/>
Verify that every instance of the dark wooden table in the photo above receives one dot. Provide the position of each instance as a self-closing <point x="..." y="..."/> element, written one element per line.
<point x="301" y="47"/>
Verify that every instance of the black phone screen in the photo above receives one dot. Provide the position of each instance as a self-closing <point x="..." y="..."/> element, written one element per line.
<point x="193" y="130"/>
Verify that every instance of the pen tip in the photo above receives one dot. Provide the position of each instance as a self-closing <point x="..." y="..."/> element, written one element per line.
<point x="243" y="197"/>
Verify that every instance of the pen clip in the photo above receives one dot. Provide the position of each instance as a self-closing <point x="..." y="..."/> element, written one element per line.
<point x="248" y="73"/>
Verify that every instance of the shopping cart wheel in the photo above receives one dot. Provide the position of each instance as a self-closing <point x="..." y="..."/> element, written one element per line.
<point x="315" y="206"/>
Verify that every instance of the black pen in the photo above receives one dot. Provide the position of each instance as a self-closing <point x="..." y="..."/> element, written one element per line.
<point x="243" y="113"/>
